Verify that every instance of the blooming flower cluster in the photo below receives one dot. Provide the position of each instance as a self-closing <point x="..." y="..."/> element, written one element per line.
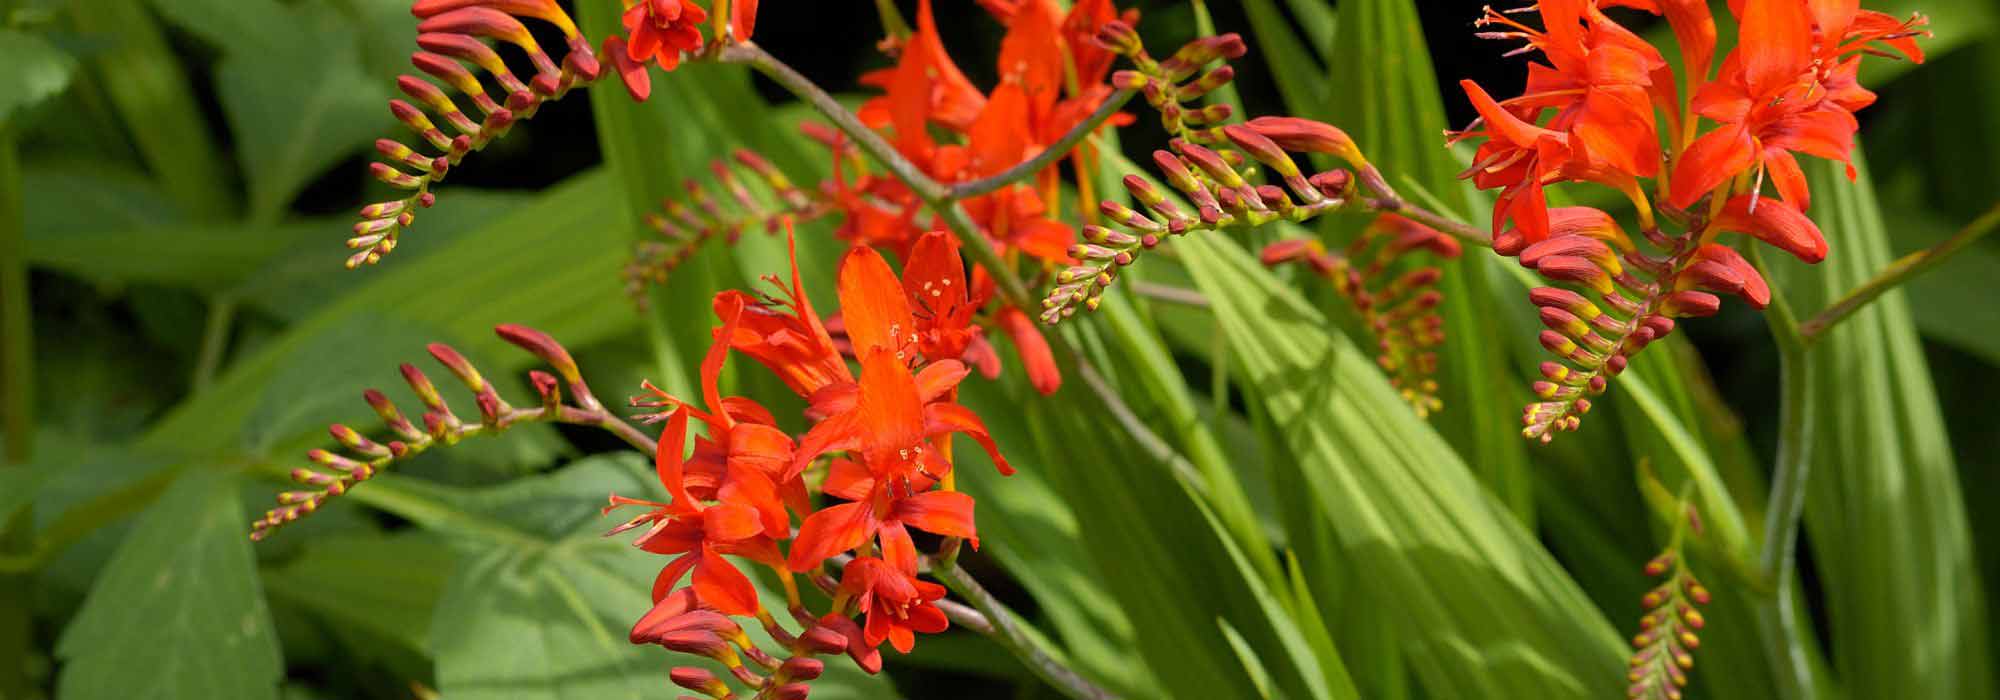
<point x="1604" y="107"/>
<point x="878" y="449"/>
<point x="1053" y="75"/>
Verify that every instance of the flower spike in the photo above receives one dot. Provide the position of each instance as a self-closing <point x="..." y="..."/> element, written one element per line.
<point x="451" y="32"/>
<point x="336" y="474"/>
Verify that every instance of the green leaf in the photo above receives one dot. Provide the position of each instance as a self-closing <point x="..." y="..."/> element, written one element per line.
<point x="31" y="71"/>
<point x="1884" y="510"/>
<point x="544" y="614"/>
<point x="144" y="82"/>
<point x="1030" y="529"/>
<point x="178" y="612"/>
<point x="378" y="588"/>
<point x="292" y="83"/>
<point x="551" y="264"/>
<point x="1483" y="610"/>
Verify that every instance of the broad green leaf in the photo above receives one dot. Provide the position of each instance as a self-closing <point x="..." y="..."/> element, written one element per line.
<point x="551" y="264"/>
<point x="1140" y="516"/>
<point x="75" y="199"/>
<point x="1482" y="609"/>
<point x="379" y="589"/>
<point x="544" y="613"/>
<point x="1884" y="511"/>
<point x="296" y="281"/>
<point x="1380" y="88"/>
<point x="31" y="71"/>
<point x="145" y="84"/>
<point x="292" y="84"/>
<point x="1030" y="529"/>
<point x="178" y="613"/>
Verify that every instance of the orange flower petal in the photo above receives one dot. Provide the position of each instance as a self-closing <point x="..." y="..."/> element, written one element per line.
<point x="1776" y="223"/>
<point x="872" y="303"/>
<point x="830" y="531"/>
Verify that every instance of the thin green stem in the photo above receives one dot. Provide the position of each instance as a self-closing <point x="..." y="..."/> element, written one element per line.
<point x="17" y="332"/>
<point x="1007" y="630"/>
<point x="1444" y="224"/>
<point x="1777" y="614"/>
<point x="1898" y="272"/>
<point x="214" y="341"/>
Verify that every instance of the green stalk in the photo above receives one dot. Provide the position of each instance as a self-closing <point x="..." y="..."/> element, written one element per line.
<point x="1898" y="272"/>
<point x="1777" y="613"/>
<point x="17" y="380"/>
<point x="214" y="341"/>
<point x="1007" y="630"/>
<point x="17" y="332"/>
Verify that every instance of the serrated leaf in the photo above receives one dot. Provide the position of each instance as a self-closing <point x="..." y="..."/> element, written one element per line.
<point x="178" y="613"/>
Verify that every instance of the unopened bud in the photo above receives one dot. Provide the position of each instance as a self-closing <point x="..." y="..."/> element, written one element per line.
<point x="801" y="668"/>
<point x="824" y="641"/>
<point x="1691" y="304"/>
<point x="1564" y="268"/>
<point x="700" y="680"/>
<point x="1309" y="136"/>
<point x="1119" y="38"/>
<point x="1335" y="184"/>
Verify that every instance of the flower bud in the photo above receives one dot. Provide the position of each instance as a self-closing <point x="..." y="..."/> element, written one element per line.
<point x="700" y="680"/>
<point x="355" y="441"/>
<point x="1563" y="268"/>
<point x="1335" y="184"/>
<point x="801" y="668"/>
<point x="1119" y="38"/>
<point x="1308" y="136"/>
<point x="1778" y="224"/>
<point x="1691" y="304"/>
<point x="824" y="640"/>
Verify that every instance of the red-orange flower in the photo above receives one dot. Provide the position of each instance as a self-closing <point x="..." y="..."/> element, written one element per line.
<point x="785" y="334"/>
<point x="1600" y="79"/>
<point x="892" y="414"/>
<point x="924" y="87"/>
<point x="1787" y="89"/>
<point x="699" y="533"/>
<point x="941" y="300"/>
<point x="896" y="603"/>
<point x="1521" y="157"/>
<point x="880" y="505"/>
<point x="1768" y="103"/>
<point x="661" y="30"/>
